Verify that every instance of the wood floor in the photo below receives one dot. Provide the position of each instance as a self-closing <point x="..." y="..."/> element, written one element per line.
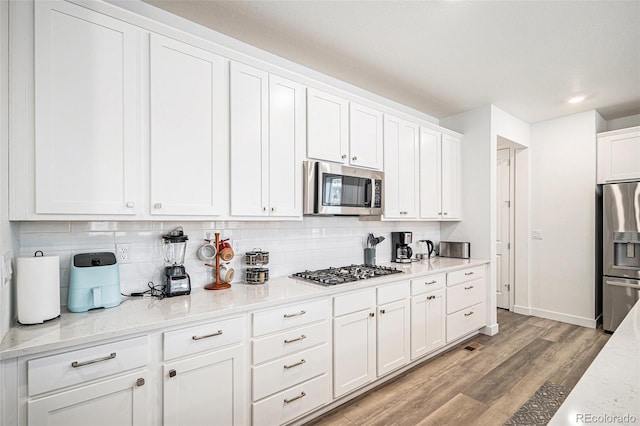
<point x="483" y="387"/>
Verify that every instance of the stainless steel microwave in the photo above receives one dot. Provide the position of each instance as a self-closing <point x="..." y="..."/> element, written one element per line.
<point x="334" y="189"/>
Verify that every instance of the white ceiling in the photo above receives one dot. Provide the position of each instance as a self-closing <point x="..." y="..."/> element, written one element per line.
<point x="446" y="57"/>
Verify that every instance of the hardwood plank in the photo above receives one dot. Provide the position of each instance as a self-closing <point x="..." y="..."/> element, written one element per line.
<point x="579" y="367"/>
<point x="459" y="410"/>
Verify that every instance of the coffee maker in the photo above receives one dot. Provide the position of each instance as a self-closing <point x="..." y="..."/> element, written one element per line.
<point x="400" y="250"/>
<point x="177" y="281"/>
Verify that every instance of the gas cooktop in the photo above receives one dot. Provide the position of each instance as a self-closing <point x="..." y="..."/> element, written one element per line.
<point x="345" y="274"/>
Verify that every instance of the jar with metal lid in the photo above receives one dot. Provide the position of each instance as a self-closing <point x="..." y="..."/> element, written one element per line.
<point x="256" y="257"/>
<point x="256" y="275"/>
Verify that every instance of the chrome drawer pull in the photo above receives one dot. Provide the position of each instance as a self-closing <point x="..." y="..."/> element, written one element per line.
<point x="430" y="282"/>
<point x="302" y="395"/>
<point x="468" y="288"/>
<point x="470" y="313"/>
<point x="431" y="297"/>
<point x="295" y="315"/>
<point x="302" y="361"/>
<point x="468" y="273"/>
<point x="207" y="335"/>
<point x="140" y="382"/>
<point x="302" y="337"/>
<point x="76" y="364"/>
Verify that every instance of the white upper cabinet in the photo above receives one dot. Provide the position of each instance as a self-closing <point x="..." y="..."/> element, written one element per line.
<point x="365" y="143"/>
<point x="87" y="149"/>
<point x="439" y="175"/>
<point x="619" y="155"/>
<point x="401" y="170"/>
<point x="327" y="127"/>
<point x="188" y="129"/>
<point x="267" y="143"/>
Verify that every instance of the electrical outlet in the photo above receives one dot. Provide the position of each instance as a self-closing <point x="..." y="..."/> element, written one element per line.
<point x="536" y="234"/>
<point x="122" y="253"/>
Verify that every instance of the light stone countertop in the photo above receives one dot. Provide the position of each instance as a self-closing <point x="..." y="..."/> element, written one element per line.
<point x="145" y="314"/>
<point x="609" y="391"/>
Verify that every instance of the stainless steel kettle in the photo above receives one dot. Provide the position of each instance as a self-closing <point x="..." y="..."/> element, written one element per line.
<point x="425" y="249"/>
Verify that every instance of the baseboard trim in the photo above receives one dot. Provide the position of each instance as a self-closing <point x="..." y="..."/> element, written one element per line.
<point x="522" y="310"/>
<point x="490" y="330"/>
<point x="558" y="316"/>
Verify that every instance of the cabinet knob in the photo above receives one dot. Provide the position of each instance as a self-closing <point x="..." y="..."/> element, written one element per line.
<point x="131" y="204"/>
<point x="264" y="209"/>
<point x="273" y="209"/>
<point x="354" y="158"/>
<point x="344" y="156"/>
<point x="445" y="213"/>
<point x="157" y="206"/>
<point x="172" y="373"/>
<point x="382" y="311"/>
<point x="371" y="314"/>
<point x="140" y="382"/>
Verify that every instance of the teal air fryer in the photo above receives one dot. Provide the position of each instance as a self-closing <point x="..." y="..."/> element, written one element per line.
<point x="94" y="282"/>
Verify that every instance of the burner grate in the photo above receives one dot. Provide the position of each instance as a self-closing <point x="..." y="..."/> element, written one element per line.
<point x="345" y="274"/>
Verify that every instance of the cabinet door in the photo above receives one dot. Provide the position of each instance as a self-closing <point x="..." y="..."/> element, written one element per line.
<point x="400" y="169"/>
<point x="365" y="137"/>
<point x="354" y="351"/>
<point x="187" y="102"/>
<point x="249" y="133"/>
<point x="450" y="177"/>
<point x="287" y="131"/>
<point x="327" y="127"/>
<point x="430" y="174"/>
<point x="427" y="323"/>
<point x="115" y="402"/>
<point x="86" y="107"/>
<point x="619" y="157"/>
<point x="393" y="336"/>
<point x="205" y="390"/>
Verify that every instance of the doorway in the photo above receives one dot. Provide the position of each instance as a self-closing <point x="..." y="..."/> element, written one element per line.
<point x="504" y="228"/>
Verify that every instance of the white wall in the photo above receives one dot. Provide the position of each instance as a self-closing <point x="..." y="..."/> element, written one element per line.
<point x="623" y="122"/>
<point x="316" y="242"/>
<point x="563" y="188"/>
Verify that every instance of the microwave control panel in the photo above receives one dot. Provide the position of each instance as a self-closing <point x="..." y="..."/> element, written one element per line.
<point x="377" y="194"/>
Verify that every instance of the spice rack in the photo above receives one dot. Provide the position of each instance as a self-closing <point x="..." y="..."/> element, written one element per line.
<point x="256" y="273"/>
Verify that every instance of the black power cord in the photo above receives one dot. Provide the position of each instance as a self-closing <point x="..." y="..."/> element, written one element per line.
<point x="153" y="291"/>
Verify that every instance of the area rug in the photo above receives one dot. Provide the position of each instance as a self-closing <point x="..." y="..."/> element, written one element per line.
<point x="539" y="409"/>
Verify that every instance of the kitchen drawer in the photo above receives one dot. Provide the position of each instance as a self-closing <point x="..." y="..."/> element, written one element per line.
<point x="393" y="292"/>
<point x="464" y="275"/>
<point x="290" y="341"/>
<point x="288" y="371"/>
<point x="290" y="316"/>
<point x="426" y="284"/>
<point x="287" y="405"/>
<point x="199" y="338"/>
<point x="354" y="302"/>
<point x="466" y="294"/>
<point x="465" y="321"/>
<point x="71" y="368"/>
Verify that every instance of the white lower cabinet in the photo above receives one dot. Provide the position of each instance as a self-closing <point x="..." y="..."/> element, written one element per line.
<point x="205" y="383"/>
<point x="97" y="385"/>
<point x="393" y="327"/>
<point x="291" y="361"/>
<point x="466" y="302"/>
<point x="116" y="402"/>
<point x="205" y="389"/>
<point x="428" y="314"/>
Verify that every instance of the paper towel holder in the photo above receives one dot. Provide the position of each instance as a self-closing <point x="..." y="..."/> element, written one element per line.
<point x="38" y="288"/>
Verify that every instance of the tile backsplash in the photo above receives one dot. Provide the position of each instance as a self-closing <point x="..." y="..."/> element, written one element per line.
<point x="315" y="242"/>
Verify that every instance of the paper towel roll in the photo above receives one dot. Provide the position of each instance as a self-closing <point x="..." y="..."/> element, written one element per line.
<point x="38" y="280"/>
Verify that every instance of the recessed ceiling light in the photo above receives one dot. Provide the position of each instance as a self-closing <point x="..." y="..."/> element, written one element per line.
<point x="576" y="99"/>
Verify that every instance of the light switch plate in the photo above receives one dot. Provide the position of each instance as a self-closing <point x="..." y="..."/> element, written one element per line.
<point x="536" y="234"/>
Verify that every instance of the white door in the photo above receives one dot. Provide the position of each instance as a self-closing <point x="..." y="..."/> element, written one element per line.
<point x="430" y="175"/>
<point x="354" y="351"/>
<point x="287" y="132"/>
<point x="115" y="402"/>
<point x="188" y="129"/>
<point x="327" y="127"/>
<point x="450" y="177"/>
<point x="503" y="216"/>
<point x="365" y="137"/>
<point x="87" y="148"/>
<point x="249" y="133"/>
<point x="393" y="336"/>
<point x="427" y="323"/>
<point x="205" y="390"/>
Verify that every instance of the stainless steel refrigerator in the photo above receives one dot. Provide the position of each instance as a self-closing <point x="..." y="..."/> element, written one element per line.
<point x="620" y="251"/>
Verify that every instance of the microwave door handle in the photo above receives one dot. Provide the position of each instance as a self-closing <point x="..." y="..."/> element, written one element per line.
<point x="368" y="189"/>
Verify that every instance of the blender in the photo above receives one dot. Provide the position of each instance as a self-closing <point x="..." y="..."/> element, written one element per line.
<point x="177" y="281"/>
